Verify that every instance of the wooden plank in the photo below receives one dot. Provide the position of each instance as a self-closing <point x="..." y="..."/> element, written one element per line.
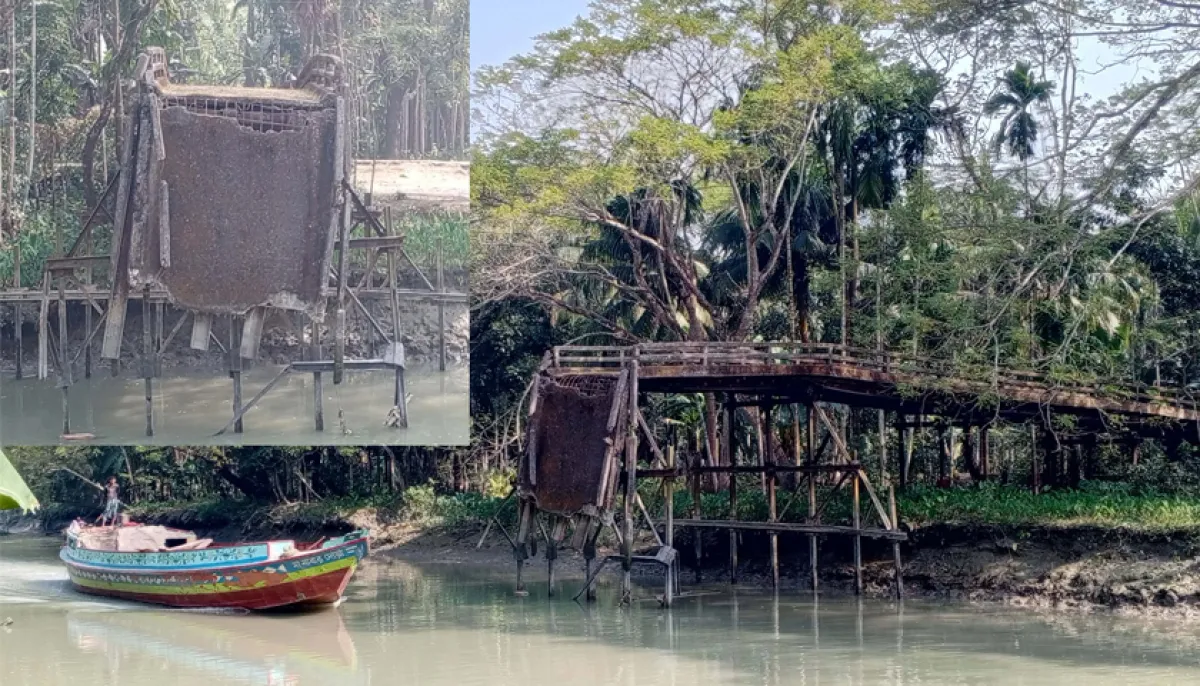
<point x="241" y="412"/>
<point x="252" y="330"/>
<point x="789" y="527"/>
<point x="372" y="242"/>
<point x="164" y="226"/>
<point x="201" y="331"/>
<point x="58" y="264"/>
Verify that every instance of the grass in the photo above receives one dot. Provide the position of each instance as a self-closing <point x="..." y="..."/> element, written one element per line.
<point x="1095" y="504"/>
<point x="422" y="232"/>
<point x="1112" y="505"/>
<point x="1103" y="505"/>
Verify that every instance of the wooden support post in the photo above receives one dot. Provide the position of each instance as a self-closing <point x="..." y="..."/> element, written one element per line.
<point x="557" y="532"/>
<point x="902" y="461"/>
<point x="441" y="307"/>
<point x="160" y="317"/>
<point x="19" y="313"/>
<point x="772" y="484"/>
<point x="731" y="458"/>
<point x="520" y="550"/>
<point x="857" y="516"/>
<point x="984" y="452"/>
<point x="812" y="495"/>
<point x="44" y="330"/>
<point x="148" y="355"/>
<point x="669" y="528"/>
<point x="318" y="390"/>
<point x="883" y="461"/>
<point x="697" y="513"/>
<point x="18" y="334"/>
<point x="64" y="363"/>
<point x="343" y="279"/>
<point x="631" y="449"/>
<point x="235" y="371"/>
<point x="1035" y="477"/>
<point x="896" y="544"/>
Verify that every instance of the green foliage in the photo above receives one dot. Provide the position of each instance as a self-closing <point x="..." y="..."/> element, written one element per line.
<point x="1100" y="504"/>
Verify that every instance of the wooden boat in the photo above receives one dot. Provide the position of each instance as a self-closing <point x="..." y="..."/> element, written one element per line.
<point x="164" y="566"/>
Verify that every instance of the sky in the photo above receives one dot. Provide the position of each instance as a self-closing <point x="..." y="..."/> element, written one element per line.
<point x="501" y="29"/>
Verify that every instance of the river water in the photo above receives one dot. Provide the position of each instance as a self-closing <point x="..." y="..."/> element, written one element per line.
<point x="458" y="625"/>
<point x="190" y="405"/>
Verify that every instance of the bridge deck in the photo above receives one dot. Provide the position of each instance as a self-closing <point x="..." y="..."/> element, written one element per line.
<point x="867" y="378"/>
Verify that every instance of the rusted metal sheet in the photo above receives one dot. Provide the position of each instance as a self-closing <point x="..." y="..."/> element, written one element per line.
<point x="564" y="468"/>
<point x="250" y="214"/>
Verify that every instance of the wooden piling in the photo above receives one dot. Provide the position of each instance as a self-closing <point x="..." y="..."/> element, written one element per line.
<point x="896" y="544"/>
<point x="318" y="390"/>
<point x="731" y="457"/>
<point x="669" y="530"/>
<point x="857" y="517"/>
<point x="812" y="495"/>
<point x="772" y="484"/>
<point x="64" y="362"/>
<point x="519" y="550"/>
<point x="235" y="371"/>
<point x="160" y="316"/>
<point x="148" y="360"/>
<point x="631" y="448"/>
<point x="17" y="330"/>
<point x="698" y="514"/>
<point x="441" y="307"/>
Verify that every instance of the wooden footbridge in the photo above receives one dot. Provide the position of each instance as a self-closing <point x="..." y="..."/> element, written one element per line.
<point x="587" y="432"/>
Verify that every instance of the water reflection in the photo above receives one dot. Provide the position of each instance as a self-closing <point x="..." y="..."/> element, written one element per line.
<point x="190" y="405"/>
<point x="291" y="650"/>
<point x="444" y="624"/>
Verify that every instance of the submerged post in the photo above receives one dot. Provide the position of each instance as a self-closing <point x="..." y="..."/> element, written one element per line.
<point x="318" y="391"/>
<point x="235" y="371"/>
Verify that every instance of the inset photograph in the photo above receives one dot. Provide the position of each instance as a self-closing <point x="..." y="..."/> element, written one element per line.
<point x="263" y="244"/>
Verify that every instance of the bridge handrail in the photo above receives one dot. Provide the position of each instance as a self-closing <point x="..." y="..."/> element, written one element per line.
<point x="707" y="353"/>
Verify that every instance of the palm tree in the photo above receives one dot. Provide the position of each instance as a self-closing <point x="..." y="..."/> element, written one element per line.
<point x="1019" y="129"/>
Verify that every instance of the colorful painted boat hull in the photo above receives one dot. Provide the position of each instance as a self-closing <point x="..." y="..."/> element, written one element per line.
<point x="248" y="577"/>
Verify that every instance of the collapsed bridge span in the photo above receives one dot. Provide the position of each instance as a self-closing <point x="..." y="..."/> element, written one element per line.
<point x="590" y="441"/>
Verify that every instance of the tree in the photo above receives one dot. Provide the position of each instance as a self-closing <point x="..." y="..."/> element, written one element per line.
<point x="1019" y="128"/>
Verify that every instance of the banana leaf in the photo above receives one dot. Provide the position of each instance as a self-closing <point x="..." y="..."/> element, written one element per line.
<point x="14" y="494"/>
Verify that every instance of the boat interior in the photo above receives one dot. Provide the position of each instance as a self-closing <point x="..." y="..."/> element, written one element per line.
<point x="136" y="539"/>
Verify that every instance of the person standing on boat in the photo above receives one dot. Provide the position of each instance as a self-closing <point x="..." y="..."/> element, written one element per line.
<point x="112" y="504"/>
